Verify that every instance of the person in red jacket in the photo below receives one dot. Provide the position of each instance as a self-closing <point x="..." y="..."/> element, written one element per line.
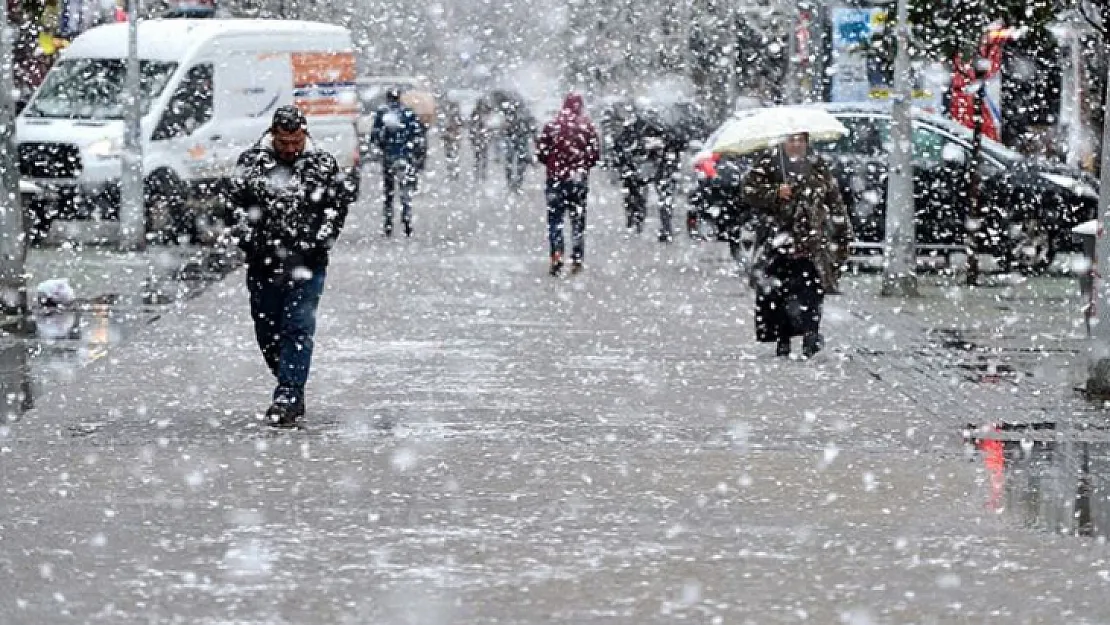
<point x="569" y="148"/>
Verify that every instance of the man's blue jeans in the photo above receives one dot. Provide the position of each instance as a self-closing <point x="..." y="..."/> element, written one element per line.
<point x="567" y="197"/>
<point x="398" y="177"/>
<point x="284" y="313"/>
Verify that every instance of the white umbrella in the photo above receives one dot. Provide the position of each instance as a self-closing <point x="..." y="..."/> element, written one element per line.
<point x="765" y="128"/>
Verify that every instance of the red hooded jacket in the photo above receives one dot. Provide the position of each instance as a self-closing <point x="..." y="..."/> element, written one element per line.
<point x="569" y="146"/>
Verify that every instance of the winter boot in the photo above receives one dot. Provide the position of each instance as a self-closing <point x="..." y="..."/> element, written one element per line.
<point x="811" y="344"/>
<point x="576" y="268"/>
<point x="284" y="412"/>
<point x="387" y="229"/>
<point x="408" y="228"/>
<point x="556" y="263"/>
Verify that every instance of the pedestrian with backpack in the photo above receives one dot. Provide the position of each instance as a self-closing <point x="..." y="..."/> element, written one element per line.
<point x="401" y="141"/>
<point x="569" y="147"/>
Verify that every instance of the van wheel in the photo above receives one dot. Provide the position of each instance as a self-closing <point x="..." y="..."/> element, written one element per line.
<point x="167" y="215"/>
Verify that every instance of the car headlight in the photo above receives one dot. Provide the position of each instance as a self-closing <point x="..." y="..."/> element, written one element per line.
<point x="106" y="148"/>
<point x="1074" y="185"/>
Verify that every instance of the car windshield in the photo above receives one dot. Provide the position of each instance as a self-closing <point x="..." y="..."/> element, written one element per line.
<point x="82" y="88"/>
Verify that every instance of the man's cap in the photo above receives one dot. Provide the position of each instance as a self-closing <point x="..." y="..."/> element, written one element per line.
<point x="289" y="118"/>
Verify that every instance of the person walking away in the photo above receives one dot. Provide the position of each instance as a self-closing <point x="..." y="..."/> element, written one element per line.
<point x="451" y="126"/>
<point x="480" y="137"/>
<point x="663" y="147"/>
<point x="290" y="202"/>
<point x="569" y="148"/>
<point x="517" y="134"/>
<point x="401" y="140"/>
<point x="647" y="154"/>
<point x="794" y="188"/>
<point x="628" y="157"/>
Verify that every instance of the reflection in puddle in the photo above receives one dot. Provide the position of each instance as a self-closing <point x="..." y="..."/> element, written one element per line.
<point x="1059" y="484"/>
<point x="70" y="337"/>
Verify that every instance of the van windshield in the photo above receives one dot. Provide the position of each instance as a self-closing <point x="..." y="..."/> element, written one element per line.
<point x="94" y="88"/>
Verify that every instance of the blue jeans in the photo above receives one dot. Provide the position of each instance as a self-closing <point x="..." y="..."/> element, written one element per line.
<point x="398" y="175"/>
<point x="284" y="313"/>
<point x="563" y="197"/>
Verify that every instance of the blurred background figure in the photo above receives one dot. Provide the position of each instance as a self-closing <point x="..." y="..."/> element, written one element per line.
<point x="518" y="129"/>
<point x="480" y="137"/>
<point x="451" y="130"/>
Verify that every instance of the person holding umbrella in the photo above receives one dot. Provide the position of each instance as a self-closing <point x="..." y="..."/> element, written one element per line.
<point x="797" y="192"/>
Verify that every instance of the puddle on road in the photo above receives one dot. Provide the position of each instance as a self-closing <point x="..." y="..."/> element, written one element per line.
<point x="66" y="341"/>
<point x="1050" y="482"/>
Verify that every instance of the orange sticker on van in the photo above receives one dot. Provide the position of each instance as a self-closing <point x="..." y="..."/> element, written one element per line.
<point x="324" y="83"/>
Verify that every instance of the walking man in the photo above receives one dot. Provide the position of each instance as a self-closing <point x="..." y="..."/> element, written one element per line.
<point x="290" y="201"/>
<point x="569" y="148"/>
<point x="401" y="139"/>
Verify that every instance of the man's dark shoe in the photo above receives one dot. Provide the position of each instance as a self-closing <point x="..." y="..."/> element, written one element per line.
<point x="556" y="264"/>
<point x="284" y="415"/>
<point x="783" y="348"/>
<point x="811" y="344"/>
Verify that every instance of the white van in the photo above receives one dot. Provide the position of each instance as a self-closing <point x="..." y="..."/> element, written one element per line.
<point x="209" y="88"/>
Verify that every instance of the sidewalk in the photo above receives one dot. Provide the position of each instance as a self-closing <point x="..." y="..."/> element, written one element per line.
<point x="486" y="444"/>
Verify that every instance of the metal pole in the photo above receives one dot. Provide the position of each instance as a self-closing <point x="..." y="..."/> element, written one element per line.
<point x="1098" y="381"/>
<point x="132" y="216"/>
<point x="13" y="241"/>
<point x="900" y="262"/>
<point x="733" y="58"/>
<point x="975" y="183"/>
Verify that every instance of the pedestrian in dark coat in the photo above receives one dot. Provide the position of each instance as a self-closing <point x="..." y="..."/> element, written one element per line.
<point x="647" y="154"/>
<point x="401" y="140"/>
<point x="480" y="136"/>
<point x="569" y="148"/>
<point x="290" y="202"/>
<point x="451" y="130"/>
<point x="796" y="191"/>
<point x="517" y="134"/>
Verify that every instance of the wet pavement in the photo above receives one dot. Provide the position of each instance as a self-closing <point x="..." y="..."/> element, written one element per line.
<point x="488" y="444"/>
<point x="116" y="295"/>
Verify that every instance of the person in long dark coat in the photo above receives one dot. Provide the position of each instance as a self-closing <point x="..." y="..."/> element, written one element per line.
<point x="794" y="188"/>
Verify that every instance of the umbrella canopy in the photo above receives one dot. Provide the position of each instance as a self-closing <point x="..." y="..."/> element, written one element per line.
<point x="422" y="103"/>
<point x="766" y="128"/>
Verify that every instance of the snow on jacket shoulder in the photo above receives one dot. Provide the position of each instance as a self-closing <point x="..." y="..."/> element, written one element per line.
<point x="569" y="145"/>
<point x="292" y="210"/>
<point x="398" y="133"/>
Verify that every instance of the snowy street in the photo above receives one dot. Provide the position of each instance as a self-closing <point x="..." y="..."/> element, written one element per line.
<point x="485" y="443"/>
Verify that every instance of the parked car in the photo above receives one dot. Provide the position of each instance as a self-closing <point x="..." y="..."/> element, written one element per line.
<point x="70" y="135"/>
<point x="1029" y="206"/>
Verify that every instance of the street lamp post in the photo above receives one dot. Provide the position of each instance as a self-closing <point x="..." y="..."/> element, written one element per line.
<point x="900" y="262"/>
<point x="132" y="215"/>
<point x="13" y="242"/>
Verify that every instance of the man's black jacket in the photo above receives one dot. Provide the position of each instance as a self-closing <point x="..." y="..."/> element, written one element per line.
<point x="292" y="221"/>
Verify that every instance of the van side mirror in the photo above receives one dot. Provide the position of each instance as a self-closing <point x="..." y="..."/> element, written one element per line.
<point x="953" y="154"/>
